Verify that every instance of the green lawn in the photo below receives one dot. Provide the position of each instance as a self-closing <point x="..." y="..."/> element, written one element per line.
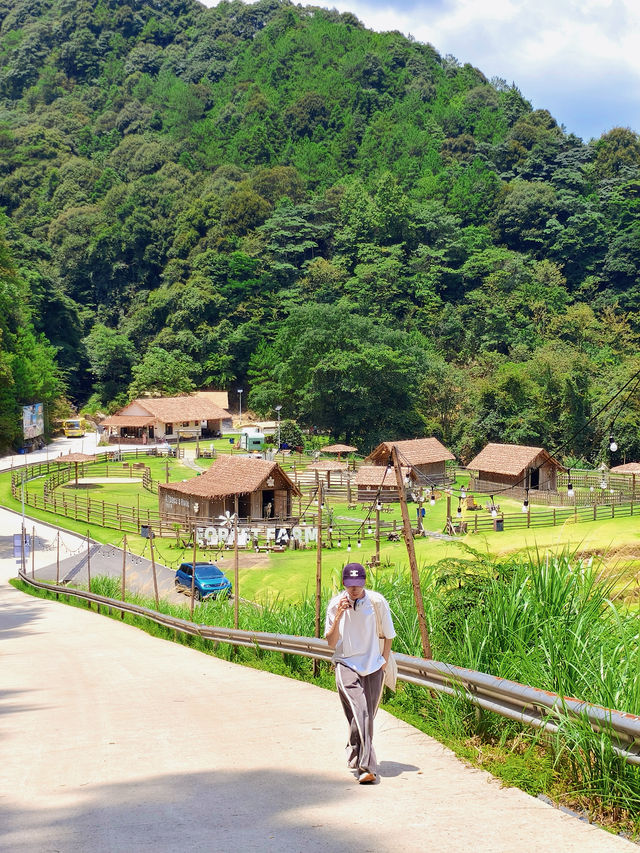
<point x="291" y="574"/>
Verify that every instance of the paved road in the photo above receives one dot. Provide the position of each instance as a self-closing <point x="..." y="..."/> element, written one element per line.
<point x="113" y="740"/>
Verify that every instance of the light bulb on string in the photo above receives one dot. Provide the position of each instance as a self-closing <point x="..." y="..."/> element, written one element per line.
<point x="339" y="542"/>
<point x="432" y="499"/>
<point x="369" y="530"/>
<point x="603" y="484"/>
<point x="494" y="511"/>
<point x="459" y="510"/>
<point x="359" y="542"/>
<point x="378" y="507"/>
<point x="613" y="446"/>
<point x="525" y="502"/>
<point x="570" y="492"/>
<point x="349" y="545"/>
<point x="463" y="493"/>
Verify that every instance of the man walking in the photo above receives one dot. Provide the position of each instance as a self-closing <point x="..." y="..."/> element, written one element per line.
<point x="356" y="618"/>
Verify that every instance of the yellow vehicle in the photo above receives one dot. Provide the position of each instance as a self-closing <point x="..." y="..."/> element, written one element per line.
<point x="73" y="427"/>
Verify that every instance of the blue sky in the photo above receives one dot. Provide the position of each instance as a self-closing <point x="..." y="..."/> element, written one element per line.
<point x="580" y="59"/>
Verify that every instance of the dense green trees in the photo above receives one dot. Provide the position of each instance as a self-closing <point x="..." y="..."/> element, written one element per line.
<point x="378" y="237"/>
<point x="28" y="370"/>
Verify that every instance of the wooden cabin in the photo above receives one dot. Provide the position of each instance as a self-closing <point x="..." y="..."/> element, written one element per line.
<point x="428" y="456"/>
<point x="262" y="488"/>
<point x="516" y="467"/>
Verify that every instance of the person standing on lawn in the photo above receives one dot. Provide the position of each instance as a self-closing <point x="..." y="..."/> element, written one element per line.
<point x="351" y="629"/>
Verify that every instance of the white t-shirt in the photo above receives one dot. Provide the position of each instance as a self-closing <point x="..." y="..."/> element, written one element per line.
<point x="358" y="646"/>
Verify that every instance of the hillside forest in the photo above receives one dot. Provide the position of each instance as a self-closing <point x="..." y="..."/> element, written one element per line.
<point x="342" y="222"/>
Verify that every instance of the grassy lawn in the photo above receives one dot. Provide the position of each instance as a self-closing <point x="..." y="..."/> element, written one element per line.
<point x="291" y="574"/>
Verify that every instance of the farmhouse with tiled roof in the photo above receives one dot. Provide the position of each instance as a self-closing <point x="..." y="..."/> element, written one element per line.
<point x="151" y="419"/>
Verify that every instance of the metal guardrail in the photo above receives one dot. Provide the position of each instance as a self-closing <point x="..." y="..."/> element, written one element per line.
<point x="528" y="705"/>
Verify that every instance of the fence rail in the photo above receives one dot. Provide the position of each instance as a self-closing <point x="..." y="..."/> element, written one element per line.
<point x="527" y="705"/>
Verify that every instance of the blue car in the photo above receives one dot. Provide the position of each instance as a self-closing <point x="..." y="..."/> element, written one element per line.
<point x="210" y="582"/>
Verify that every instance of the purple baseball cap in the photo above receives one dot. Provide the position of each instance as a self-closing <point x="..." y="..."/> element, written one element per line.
<point x="354" y="574"/>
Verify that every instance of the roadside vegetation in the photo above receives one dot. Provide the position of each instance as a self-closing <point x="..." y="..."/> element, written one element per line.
<point x="545" y="620"/>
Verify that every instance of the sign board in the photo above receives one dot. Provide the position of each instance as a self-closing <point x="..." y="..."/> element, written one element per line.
<point x="17" y="545"/>
<point x="33" y="420"/>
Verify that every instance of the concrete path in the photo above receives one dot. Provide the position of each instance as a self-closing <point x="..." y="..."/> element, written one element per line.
<point x="113" y="740"/>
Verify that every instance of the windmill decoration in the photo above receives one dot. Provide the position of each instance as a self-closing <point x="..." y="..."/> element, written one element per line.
<point x="227" y="520"/>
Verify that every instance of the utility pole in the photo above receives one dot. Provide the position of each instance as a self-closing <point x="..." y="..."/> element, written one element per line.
<point x="413" y="565"/>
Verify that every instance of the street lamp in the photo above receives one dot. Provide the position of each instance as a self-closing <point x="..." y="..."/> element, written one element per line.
<point x="240" y="396"/>
<point x="278" y="411"/>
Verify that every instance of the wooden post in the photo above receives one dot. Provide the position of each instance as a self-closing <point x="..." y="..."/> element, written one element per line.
<point x="89" y="564"/>
<point x="413" y="565"/>
<point x="318" y="569"/>
<point x="166" y="470"/>
<point x="153" y="570"/>
<point x="58" y="562"/>
<point x="236" y="566"/>
<point x="33" y="552"/>
<point x="193" y="575"/>
<point x="124" y="572"/>
<point x="377" y="531"/>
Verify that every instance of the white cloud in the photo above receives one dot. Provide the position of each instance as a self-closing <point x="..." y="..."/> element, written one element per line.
<point x="580" y="59"/>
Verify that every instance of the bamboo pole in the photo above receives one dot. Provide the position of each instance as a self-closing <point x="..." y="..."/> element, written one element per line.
<point x="413" y="565"/>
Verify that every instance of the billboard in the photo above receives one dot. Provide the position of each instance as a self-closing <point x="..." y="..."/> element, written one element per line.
<point x="33" y="420"/>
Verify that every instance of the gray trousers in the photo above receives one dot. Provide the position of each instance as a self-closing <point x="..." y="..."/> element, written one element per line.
<point x="360" y="696"/>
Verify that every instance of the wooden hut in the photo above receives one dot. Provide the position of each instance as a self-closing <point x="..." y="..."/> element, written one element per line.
<point x="516" y="467"/>
<point x="262" y="488"/>
<point x="426" y="455"/>
<point x="379" y="482"/>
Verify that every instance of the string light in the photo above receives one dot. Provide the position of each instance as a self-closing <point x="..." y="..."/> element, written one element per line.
<point x="494" y="511"/>
<point x="432" y="499"/>
<point x="459" y="510"/>
<point x="603" y="483"/>
<point x="525" y="502"/>
<point x="570" y="492"/>
<point x="349" y="545"/>
<point x="339" y="542"/>
<point x="463" y="493"/>
<point x="359" y="543"/>
<point x="612" y="444"/>
<point x="378" y="507"/>
<point x="369" y="530"/>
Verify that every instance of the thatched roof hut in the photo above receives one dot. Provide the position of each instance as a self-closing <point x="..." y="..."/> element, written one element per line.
<point x="262" y="488"/>
<point x="426" y="455"/>
<point x="514" y="466"/>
